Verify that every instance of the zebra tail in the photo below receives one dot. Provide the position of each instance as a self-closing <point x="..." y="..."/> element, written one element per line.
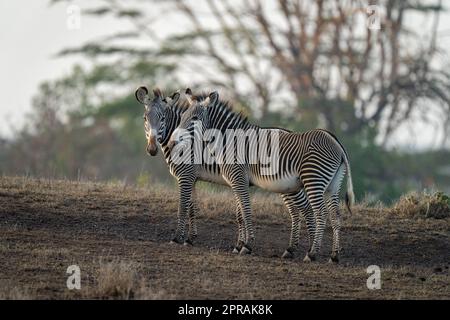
<point x="349" y="195"/>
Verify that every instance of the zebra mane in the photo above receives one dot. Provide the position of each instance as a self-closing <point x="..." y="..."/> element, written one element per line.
<point x="223" y="106"/>
<point x="183" y="104"/>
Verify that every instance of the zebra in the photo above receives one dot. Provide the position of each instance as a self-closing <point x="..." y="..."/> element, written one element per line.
<point x="157" y="129"/>
<point x="312" y="166"/>
<point x="162" y="115"/>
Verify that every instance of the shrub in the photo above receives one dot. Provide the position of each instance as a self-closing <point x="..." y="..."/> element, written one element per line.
<point x="426" y="205"/>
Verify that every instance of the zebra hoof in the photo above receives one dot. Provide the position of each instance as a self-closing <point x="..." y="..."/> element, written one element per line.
<point x="309" y="258"/>
<point x="331" y="261"/>
<point x="175" y="241"/>
<point x="245" y="250"/>
<point x="189" y="243"/>
<point x="237" y="248"/>
<point x="334" y="260"/>
<point x="287" y="255"/>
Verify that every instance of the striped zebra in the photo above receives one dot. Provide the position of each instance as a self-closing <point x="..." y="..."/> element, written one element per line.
<point x="161" y="116"/>
<point x="311" y="165"/>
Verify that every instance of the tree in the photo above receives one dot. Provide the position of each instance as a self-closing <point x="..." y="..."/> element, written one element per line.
<point x="317" y="60"/>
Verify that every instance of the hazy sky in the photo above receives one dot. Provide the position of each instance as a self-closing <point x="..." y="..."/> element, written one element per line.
<point x="32" y="32"/>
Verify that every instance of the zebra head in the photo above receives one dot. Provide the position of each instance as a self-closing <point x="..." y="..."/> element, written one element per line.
<point x="196" y="117"/>
<point x="154" y="115"/>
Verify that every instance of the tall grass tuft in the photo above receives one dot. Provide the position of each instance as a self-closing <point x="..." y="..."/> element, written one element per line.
<point x="425" y="205"/>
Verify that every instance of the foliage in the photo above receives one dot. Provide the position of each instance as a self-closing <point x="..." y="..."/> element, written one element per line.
<point x="426" y="205"/>
<point x="77" y="129"/>
<point x="330" y="69"/>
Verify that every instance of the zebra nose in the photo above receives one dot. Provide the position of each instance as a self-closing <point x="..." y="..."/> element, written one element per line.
<point x="152" y="147"/>
<point x="152" y="150"/>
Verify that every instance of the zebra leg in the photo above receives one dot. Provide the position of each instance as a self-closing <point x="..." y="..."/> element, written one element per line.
<point x="316" y="199"/>
<point x="192" y="212"/>
<point x="335" y="220"/>
<point x="333" y="210"/>
<point x="241" y="230"/>
<point x="237" y="178"/>
<point x="185" y="186"/>
<point x="290" y="200"/>
<point x="307" y="212"/>
<point x="243" y="198"/>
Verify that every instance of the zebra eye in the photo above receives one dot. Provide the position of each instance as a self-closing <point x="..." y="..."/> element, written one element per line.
<point x="194" y="118"/>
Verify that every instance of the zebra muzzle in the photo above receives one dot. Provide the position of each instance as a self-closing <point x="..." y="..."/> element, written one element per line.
<point x="152" y="148"/>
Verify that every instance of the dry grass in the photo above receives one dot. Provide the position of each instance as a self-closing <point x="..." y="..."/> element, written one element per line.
<point x="267" y="207"/>
<point x="118" y="234"/>
<point x="16" y="293"/>
<point x="424" y="205"/>
<point x="121" y="280"/>
<point x="116" y="280"/>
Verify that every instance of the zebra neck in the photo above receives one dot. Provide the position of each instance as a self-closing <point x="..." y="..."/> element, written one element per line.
<point x="173" y="117"/>
<point x="225" y="119"/>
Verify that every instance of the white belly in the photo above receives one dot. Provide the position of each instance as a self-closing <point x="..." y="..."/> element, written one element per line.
<point x="209" y="177"/>
<point x="286" y="184"/>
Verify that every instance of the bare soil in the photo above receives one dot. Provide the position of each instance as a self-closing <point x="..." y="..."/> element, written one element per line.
<point x="48" y="225"/>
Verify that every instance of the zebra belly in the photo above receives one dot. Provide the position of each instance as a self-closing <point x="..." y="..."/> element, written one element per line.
<point x="210" y="177"/>
<point x="286" y="184"/>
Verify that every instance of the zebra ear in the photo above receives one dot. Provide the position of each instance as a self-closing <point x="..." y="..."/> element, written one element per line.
<point x="141" y="95"/>
<point x="189" y="96"/>
<point x="205" y="102"/>
<point x="213" y="98"/>
<point x="173" y="98"/>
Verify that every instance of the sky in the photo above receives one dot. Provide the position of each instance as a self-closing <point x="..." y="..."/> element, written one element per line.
<point x="32" y="32"/>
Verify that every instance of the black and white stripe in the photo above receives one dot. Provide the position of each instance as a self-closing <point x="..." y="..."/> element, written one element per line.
<point x="311" y="168"/>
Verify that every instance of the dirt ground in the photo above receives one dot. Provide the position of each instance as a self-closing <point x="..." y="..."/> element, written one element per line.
<point x="119" y="237"/>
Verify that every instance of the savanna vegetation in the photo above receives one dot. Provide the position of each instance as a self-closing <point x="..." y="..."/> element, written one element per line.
<point x="305" y="65"/>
